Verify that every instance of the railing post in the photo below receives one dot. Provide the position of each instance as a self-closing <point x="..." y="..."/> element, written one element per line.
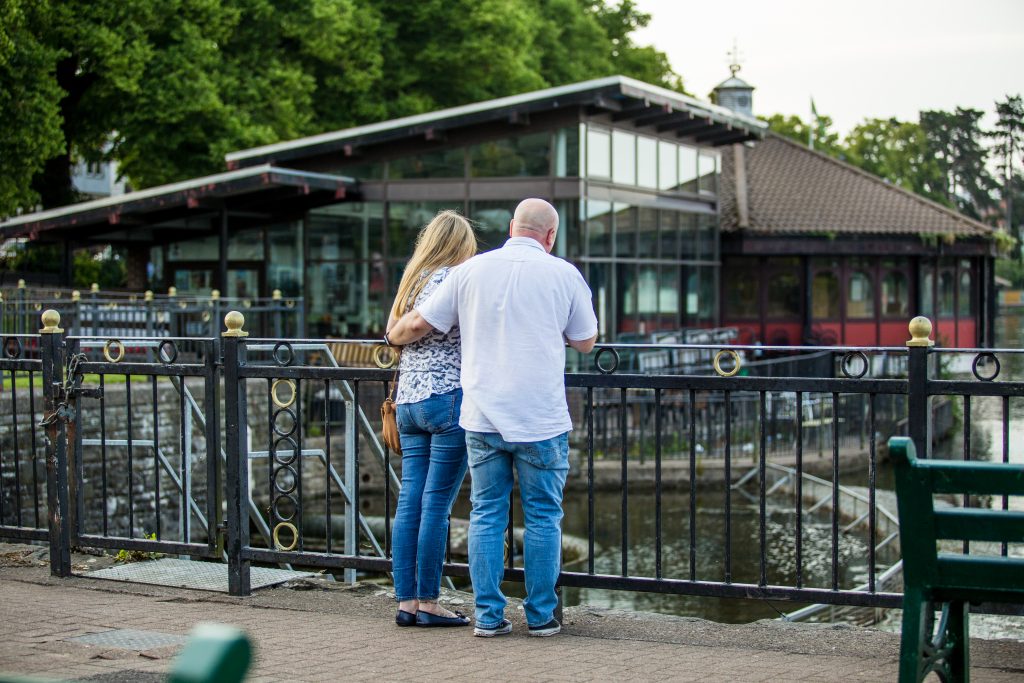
<point x="236" y="471"/>
<point x="94" y="291"/>
<point x="172" y="313"/>
<point x="51" y="341"/>
<point x="276" y="306"/>
<point x="351" y="513"/>
<point x="76" y="299"/>
<point x="21" y="317"/>
<point x="215" y="316"/>
<point x="919" y="371"/>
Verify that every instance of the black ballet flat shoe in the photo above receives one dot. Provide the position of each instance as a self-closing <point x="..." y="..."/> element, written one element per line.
<point x="403" y="618"/>
<point x="432" y="620"/>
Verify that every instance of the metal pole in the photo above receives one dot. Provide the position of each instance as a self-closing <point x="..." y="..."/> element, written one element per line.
<point x="350" y="475"/>
<point x="236" y="469"/>
<point x="222" y="252"/>
<point x="919" y="404"/>
<point x="52" y="344"/>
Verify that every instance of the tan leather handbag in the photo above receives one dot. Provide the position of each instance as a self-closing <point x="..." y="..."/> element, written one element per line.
<point x="389" y="420"/>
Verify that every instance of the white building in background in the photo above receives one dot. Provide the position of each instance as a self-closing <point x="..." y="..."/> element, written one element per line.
<point x="97" y="179"/>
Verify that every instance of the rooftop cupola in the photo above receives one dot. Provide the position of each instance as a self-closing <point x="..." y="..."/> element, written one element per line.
<point x="735" y="93"/>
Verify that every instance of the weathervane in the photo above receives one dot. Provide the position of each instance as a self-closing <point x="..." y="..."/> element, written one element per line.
<point x="734" y="58"/>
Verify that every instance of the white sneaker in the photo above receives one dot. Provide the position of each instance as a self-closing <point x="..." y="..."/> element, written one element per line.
<point x="505" y="627"/>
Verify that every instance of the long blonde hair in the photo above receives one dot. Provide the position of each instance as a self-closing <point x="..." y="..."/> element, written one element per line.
<point x="447" y="240"/>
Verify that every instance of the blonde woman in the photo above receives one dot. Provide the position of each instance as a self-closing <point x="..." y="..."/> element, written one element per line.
<point x="429" y="399"/>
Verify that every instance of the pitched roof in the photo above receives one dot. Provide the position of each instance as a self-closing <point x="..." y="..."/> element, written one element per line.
<point x="792" y="189"/>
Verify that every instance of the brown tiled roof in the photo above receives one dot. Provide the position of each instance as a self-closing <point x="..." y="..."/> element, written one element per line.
<point x="792" y="189"/>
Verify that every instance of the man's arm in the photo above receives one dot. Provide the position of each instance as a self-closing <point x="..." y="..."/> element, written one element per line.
<point x="408" y="329"/>
<point x="583" y="345"/>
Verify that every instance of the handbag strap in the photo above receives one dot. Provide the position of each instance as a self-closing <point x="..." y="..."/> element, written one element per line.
<point x="394" y="378"/>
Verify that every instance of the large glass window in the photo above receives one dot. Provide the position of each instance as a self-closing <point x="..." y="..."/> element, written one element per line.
<point x="895" y="295"/>
<point x="444" y="163"/>
<point x="668" y="297"/>
<point x="599" y="155"/>
<point x="964" y="296"/>
<point x="947" y="286"/>
<point x="688" y="242"/>
<point x="687" y="169"/>
<point x="825" y="296"/>
<point x="284" y="267"/>
<point x="741" y="293"/>
<point x="927" y="290"/>
<point x="707" y="236"/>
<point x="599" y="228"/>
<point x="243" y="245"/>
<point x="406" y="219"/>
<point x="647" y="162"/>
<point x="860" y="297"/>
<point x="668" y="166"/>
<point x="708" y="171"/>
<point x="668" y="230"/>
<point x="567" y="152"/>
<point x="623" y="158"/>
<point x="625" y="229"/>
<point x="523" y="155"/>
<point x="784" y="289"/>
<point x="647" y="232"/>
<point x="491" y="219"/>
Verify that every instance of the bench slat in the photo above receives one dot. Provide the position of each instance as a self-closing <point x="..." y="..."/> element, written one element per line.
<point x="981" y="573"/>
<point x="980" y="524"/>
<point x="985" y="478"/>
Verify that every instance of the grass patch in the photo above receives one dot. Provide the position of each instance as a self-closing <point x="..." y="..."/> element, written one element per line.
<point x="21" y="380"/>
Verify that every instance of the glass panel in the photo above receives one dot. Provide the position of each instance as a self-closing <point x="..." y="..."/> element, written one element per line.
<point x="741" y="293"/>
<point x="669" y="234"/>
<point x="668" y="298"/>
<point x="860" y="298"/>
<point x="599" y="228"/>
<point x="946" y="287"/>
<point x="927" y="290"/>
<point x="567" y="243"/>
<point x="599" y="156"/>
<point x="647" y="162"/>
<point x="243" y="245"/>
<point x="627" y="300"/>
<point x="196" y="282"/>
<point x="625" y="229"/>
<point x="687" y="169"/>
<point x="647" y="233"/>
<point x="359" y="171"/>
<point x="668" y="166"/>
<point x="783" y="294"/>
<point x="406" y="219"/>
<point x="243" y="283"/>
<point x="895" y="295"/>
<point x="688" y="236"/>
<point x="445" y="163"/>
<point x="599" y="279"/>
<point x="707" y="235"/>
<point x="491" y="219"/>
<point x="284" y="266"/>
<point x="825" y="296"/>
<point x="567" y="152"/>
<point x="623" y="158"/>
<point x="708" y="171"/>
<point x="965" y="299"/>
<point x="524" y="155"/>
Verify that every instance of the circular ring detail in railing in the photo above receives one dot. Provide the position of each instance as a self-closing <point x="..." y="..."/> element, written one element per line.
<point x="291" y="447"/>
<point x="247" y="303"/>
<point x="205" y="316"/>
<point x="846" y="364"/>
<point x="287" y="498"/>
<point x="718" y="363"/>
<point x="290" y="303"/>
<point x="278" y="428"/>
<point x="986" y="357"/>
<point x="290" y="482"/>
<point x="379" y="357"/>
<point x="108" y="351"/>
<point x="277" y="536"/>
<point x="12" y="347"/>
<point x="39" y="307"/>
<point x="282" y="359"/>
<point x="277" y="399"/>
<point x="167" y="352"/>
<point x="182" y="304"/>
<point x="615" y="361"/>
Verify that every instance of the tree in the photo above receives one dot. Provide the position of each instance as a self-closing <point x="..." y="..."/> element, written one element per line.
<point x="954" y="141"/>
<point x="793" y="127"/>
<point x="1009" y="138"/>
<point x="897" y="151"/>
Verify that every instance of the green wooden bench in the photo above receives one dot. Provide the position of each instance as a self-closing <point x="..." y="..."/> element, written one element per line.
<point x="951" y="581"/>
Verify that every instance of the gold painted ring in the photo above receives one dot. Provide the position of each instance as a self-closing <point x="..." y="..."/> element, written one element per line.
<point x="378" y="357"/>
<point x="277" y="539"/>
<point x="276" y="399"/>
<point x="290" y="303"/>
<point x="108" y="351"/>
<point x="735" y="360"/>
<point x="205" y="316"/>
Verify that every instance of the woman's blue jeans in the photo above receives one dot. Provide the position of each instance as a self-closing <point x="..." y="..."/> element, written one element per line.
<point x="433" y="467"/>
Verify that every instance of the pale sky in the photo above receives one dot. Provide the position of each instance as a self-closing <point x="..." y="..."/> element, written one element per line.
<point x="865" y="59"/>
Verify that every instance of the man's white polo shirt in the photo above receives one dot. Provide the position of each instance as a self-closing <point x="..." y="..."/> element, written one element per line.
<point x="515" y="306"/>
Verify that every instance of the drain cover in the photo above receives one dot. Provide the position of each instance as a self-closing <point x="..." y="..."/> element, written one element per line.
<point x="130" y="639"/>
<point x="207" y="576"/>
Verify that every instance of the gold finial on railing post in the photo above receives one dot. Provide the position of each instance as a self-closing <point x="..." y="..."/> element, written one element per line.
<point x="51" y="322"/>
<point x="234" y="322"/>
<point x="920" y="332"/>
<point x="276" y="295"/>
<point x="76" y="296"/>
<point x="21" y="284"/>
<point x="172" y="291"/>
<point x="94" y="288"/>
<point x="215" y="295"/>
<point x="148" y="296"/>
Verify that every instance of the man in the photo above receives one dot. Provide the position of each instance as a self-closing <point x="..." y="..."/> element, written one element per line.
<point x="516" y="307"/>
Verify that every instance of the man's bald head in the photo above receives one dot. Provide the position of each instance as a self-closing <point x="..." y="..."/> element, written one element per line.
<point x="537" y="219"/>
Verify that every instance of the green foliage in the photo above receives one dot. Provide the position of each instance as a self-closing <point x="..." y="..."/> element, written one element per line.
<point x="794" y="128"/>
<point x="167" y="88"/>
<point x="954" y="139"/>
<point x="106" y="269"/>
<point x="137" y="555"/>
<point x="897" y="151"/>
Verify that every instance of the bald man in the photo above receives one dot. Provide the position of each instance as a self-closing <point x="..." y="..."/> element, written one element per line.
<point x="516" y="308"/>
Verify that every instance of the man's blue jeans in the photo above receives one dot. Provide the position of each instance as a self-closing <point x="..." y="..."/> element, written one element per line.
<point x="433" y="467"/>
<point x="542" y="467"/>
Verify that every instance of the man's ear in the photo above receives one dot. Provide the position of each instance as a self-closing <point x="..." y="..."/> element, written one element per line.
<point x="511" y="225"/>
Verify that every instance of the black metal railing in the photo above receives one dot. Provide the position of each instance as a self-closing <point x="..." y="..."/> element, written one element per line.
<point x="306" y="481"/>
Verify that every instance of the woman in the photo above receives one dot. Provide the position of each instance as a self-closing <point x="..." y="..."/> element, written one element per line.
<point x="429" y="399"/>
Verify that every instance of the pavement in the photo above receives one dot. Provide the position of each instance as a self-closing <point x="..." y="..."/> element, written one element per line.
<point x="315" y="630"/>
